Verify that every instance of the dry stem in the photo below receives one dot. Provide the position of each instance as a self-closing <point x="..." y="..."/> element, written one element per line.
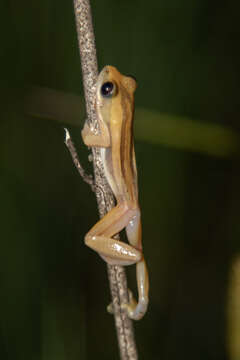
<point x="105" y="199"/>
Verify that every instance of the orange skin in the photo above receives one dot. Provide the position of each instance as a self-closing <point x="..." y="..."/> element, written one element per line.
<point x="115" y="110"/>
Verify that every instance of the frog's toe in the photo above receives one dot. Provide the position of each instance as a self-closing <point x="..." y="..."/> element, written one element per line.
<point x="135" y="310"/>
<point x="110" y="308"/>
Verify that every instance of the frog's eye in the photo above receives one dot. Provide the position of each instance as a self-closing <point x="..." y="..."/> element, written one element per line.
<point x="108" y="89"/>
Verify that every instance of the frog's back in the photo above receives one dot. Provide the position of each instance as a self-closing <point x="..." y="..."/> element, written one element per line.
<point x="121" y="156"/>
<point x="117" y="112"/>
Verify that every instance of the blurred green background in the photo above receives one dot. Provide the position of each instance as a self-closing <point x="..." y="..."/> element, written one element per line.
<point x="54" y="290"/>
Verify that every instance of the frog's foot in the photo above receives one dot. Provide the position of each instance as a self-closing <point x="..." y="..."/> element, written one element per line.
<point x="131" y="304"/>
<point x="135" y="310"/>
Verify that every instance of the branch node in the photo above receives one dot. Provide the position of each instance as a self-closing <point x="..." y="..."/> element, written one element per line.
<point x="70" y="145"/>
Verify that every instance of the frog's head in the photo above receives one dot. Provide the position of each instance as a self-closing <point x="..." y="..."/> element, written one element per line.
<point x="114" y="90"/>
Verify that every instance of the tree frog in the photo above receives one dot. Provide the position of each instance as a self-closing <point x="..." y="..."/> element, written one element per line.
<point x="115" y="110"/>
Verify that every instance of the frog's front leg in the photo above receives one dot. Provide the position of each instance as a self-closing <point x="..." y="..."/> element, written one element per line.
<point x="101" y="139"/>
<point x="113" y="251"/>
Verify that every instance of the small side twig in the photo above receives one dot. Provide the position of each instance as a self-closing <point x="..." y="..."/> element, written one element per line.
<point x="70" y="145"/>
<point x="105" y="199"/>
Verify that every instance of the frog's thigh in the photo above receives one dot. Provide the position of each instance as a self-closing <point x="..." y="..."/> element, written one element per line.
<point x="134" y="230"/>
<point x="113" y="251"/>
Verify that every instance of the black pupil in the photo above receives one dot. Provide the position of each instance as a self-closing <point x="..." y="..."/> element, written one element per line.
<point x="107" y="88"/>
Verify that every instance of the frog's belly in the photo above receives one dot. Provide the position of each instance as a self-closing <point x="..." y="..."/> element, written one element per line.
<point x="106" y="156"/>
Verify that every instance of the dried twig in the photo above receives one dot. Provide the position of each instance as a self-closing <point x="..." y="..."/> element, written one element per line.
<point x="104" y="195"/>
<point x="70" y="145"/>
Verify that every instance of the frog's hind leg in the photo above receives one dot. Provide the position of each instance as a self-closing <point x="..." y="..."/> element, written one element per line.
<point x="100" y="237"/>
<point x="134" y="234"/>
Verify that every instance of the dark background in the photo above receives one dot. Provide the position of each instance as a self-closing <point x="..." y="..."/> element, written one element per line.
<point x="54" y="290"/>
